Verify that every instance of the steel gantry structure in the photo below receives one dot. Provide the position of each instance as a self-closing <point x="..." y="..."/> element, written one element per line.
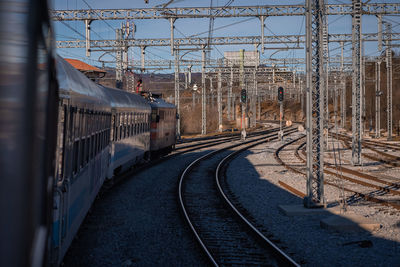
<point x="315" y="108"/>
<point x="217" y="12"/>
<point x="199" y="41"/>
<point x="357" y="84"/>
<point x="317" y="41"/>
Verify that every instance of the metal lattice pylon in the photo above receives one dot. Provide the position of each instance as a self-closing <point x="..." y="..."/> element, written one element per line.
<point x="389" y="80"/>
<point x="325" y="76"/>
<point x="315" y="108"/>
<point x="356" y="84"/>
<point x="119" y="69"/>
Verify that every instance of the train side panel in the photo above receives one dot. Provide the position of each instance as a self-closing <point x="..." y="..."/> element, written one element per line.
<point x="82" y="154"/>
<point x="130" y="138"/>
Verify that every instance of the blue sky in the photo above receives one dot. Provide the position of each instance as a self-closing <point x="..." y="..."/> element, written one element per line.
<point x="188" y="27"/>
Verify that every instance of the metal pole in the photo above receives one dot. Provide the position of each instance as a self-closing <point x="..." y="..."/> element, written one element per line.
<point x="211" y="97"/>
<point x="177" y="96"/>
<point x="171" y="22"/>
<point x="356" y="84"/>
<point x="87" y="37"/>
<point x="343" y="87"/>
<point x="253" y="99"/>
<point x="314" y="71"/>
<point x="378" y="99"/>
<point x="363" y="110"/>
<point x="280" y="120"/>
<point x="335" y="95"/>
<point x="379" y="17"/>
<point x="241" y="76"/>
<point x="302" y="98"/>
<point x="203" y="92"/>
<point x="142" y="54"/>
<point x="219" y="98"/>
<point x="231" y="105"/>
<point x="262" y="34"/>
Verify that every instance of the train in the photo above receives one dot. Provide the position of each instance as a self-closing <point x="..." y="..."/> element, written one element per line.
<point x="62" y="136"/>
<point x="102" y="132"/>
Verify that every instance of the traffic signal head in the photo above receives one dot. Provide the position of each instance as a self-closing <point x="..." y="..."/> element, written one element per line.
<point x="280" y="94"/>
<point x="243" y="96"/>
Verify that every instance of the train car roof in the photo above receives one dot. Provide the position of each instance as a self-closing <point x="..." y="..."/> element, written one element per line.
<point x="159" y="103"/>
<point x="74" y="84"/>
<point x="123" y="99"/>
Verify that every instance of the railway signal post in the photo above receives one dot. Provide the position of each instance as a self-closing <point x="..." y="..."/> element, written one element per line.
<point x="243" y="100"/>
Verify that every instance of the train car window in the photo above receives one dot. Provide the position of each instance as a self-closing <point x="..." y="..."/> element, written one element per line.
<point x="134" y="123"/>
<point x="61" y="141"/>
<point x="87" y="150"/>
<point x="113" y="127"/>
<point x="98" y="142"/>
<point x="104" y="139"/>
<point x="96" y="138"/>
<point x="116" y="128"/>
<point x="123" y="125"/>
<point x="101" y="141"/>
<point x="75" y="157"/>
<point x="92" y="146"/>
<point x="81" y="123"/>
<point x="141" y="123"/>
<point x="82" y="156"/>
<point x="85" y="123"/>
<point x="96" y="147"/>
<point x="129" y="124"/>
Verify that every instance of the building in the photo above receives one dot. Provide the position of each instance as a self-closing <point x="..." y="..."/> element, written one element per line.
<point x="90" y="71"/>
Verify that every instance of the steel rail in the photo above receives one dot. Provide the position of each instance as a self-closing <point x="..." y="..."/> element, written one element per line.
<point x="367" y="197"/>
<point x="284" y="257"/>
<point x="180" y="192"/>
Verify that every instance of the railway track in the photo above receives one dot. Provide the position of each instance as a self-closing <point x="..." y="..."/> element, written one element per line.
<point x="218" y="140"/>
<point x="366" y="186"/>
<point x="378" y="155"/>
<point x="225" y="235"/>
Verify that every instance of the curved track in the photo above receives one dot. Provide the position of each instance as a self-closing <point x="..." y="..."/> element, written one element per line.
<point x="363" y="185"/>
<point x="225" y="235"/>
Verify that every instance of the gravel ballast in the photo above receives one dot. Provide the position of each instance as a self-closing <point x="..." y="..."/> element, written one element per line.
<point x="138" y="223"/>
<point x="253" y="177"/>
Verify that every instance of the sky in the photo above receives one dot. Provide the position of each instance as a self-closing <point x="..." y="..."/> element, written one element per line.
<point x="187" y="27"/>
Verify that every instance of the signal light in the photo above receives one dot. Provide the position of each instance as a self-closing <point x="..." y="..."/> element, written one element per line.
<point x="243" y="96"/>
<point x="280" y="94"/>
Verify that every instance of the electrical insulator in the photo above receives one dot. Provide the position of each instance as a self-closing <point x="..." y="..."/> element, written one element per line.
<point x="243" y="96"/>
<point x="280" y="94"/>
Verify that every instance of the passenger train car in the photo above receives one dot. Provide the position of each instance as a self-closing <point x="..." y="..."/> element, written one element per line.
<point x="163" y="125"/>
<point x="101" y="132"/>
<point x="61" y="137"/>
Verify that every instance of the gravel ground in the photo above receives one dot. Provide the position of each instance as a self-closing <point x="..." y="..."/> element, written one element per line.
<point x="138" y="223"/>
<point x="254" y="176"/>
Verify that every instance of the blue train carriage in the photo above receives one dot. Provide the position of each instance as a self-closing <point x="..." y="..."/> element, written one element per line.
<point x="163" y="125"/>
<point x="130" y="130"/>
<point x="82" y="156"/>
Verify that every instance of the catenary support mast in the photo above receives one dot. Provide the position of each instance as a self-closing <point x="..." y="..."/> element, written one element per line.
<point x="315" y="109"/>
<point x="356" y="83"/>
